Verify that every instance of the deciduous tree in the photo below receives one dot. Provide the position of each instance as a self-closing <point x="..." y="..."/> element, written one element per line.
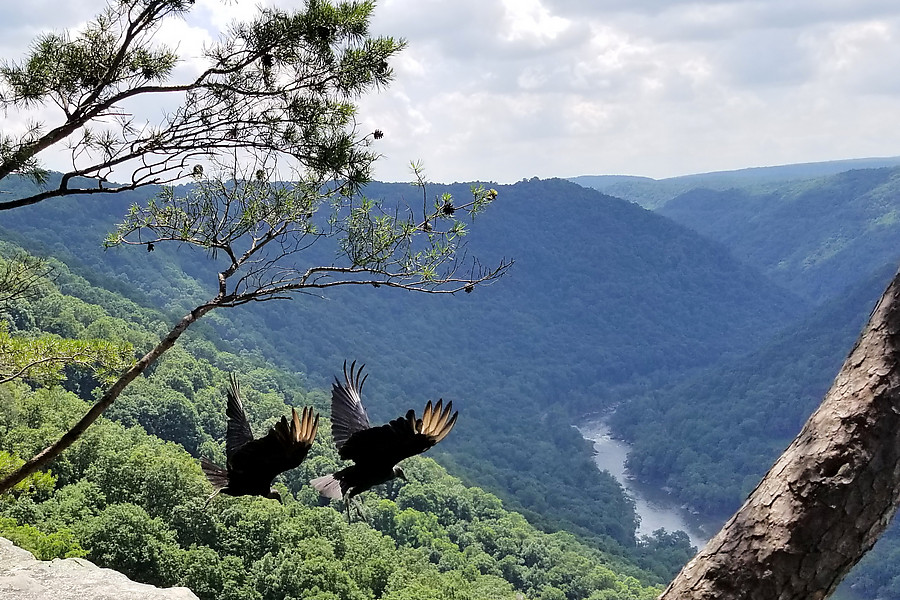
<point x="42" y="358"/>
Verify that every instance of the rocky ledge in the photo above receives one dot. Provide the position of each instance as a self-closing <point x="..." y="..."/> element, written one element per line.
<point x="23" y="577"/>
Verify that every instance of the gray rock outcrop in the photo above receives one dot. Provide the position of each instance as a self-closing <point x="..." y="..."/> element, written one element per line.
<point x="23" y="577"/>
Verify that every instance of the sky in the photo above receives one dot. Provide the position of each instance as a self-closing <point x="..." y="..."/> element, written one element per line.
<point x="504" y="90"/>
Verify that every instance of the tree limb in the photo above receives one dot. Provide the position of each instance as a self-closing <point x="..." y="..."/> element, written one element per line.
<point x="54" y="450"/>
<point x="238" y="102"/>
<point x="830" y="495"/>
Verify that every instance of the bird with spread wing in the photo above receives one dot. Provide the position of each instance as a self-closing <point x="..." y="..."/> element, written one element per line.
<point x="252" y="464"/>
<point x="375" y="451"/>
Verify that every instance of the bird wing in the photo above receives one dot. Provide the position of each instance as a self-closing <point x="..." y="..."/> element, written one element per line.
<point x="401" y="438"/>
<point x="348" y="415"/>
<point x="237" y="431"/>
<point x="216" y="474"/>
<point x="283" y="448"/>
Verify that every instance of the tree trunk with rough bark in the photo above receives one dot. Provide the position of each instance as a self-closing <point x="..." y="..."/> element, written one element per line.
<point x="828" y="497"/>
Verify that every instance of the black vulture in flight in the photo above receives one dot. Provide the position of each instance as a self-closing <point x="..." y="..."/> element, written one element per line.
<point x="375" y="451"/>
<point x="253" y="464"/>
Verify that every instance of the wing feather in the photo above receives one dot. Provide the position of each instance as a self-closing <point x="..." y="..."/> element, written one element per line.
<point x="446" y="428"/>
<point x="296" y="427"/>
<point x="283" y="448"/>
<point x="237" y="430"/>
<point x="216" y="474"/>
<point x="401" y="438"/>
<point x="348" y="415"/>
<point x="439" y="421"/>
<point x="446" y="411"/>
<point x="329" y="486"/>
<point x="427" y="415"/>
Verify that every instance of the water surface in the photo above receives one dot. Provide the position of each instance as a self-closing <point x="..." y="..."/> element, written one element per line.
<point x="655" y="508"/>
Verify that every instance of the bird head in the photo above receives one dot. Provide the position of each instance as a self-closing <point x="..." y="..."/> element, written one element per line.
<point x="398" y="472"/>
<point x="274" y="495"/>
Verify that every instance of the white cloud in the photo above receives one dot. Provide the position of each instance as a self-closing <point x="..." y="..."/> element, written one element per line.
<point x="528" y="21"/>
<point x="506" y="89"/>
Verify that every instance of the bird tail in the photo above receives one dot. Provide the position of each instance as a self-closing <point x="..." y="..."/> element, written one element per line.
<point x="216" y="474"/>
<point x="329" y="486"/>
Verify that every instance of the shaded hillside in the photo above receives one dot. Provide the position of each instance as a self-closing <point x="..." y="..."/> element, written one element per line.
<point x="655" y="193"/>
<point x="815" y="238"/>
<point x="877" y="575"/>
<point x="602" y="293"/>
<point x="711" y="438"/>
<point x="603" y="290"/>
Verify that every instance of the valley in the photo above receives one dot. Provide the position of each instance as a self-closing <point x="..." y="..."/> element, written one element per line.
<point x="209" y="210"/>
<point x="711" y="326"/>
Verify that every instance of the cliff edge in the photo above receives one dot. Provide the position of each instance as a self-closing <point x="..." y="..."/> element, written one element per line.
<point x="23" y="577"/>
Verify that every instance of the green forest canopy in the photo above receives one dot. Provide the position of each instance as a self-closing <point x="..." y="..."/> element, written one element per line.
<point x="130" y="501"/>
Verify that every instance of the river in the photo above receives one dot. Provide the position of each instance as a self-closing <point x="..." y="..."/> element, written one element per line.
<point x="654" y="507"/>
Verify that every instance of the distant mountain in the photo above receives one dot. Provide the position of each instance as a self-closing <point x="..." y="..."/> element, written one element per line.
<point x="603" y="183"/>
<point x="833" y="239"/>
<point x="603" y="293"/>
<point x="815" y="237"/>
<point x="655" y="193"/>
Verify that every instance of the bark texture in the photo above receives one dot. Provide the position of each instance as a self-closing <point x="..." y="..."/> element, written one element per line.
<point x="828" y="497"/>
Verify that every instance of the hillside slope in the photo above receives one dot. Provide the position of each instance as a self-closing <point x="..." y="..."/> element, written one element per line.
<point x="816" y="238"/>
<point x="602" y="293"/>
<point x="128" y="500"/>
<point x="710" y="439"/>
<point x="655" y="193"/>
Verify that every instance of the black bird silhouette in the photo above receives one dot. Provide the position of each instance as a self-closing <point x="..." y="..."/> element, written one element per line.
<point x="375" y="451"/>
<point x="253" y="464"/>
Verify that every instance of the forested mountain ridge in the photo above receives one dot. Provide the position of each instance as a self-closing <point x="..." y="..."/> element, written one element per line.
<point x="586" y="250"/>
<point x="602" y="293"/>
<point x="814" y="237"/>
<point x="604" y="297"/>
<point x="655" y="193"/>
<point x="833" y="240"/>
<point x="710" y="438"/>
